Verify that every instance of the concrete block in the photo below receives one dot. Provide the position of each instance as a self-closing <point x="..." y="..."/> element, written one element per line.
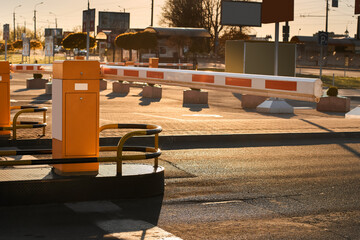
<point x="355" y="113"/>
<point x="195" y="97"/>
<point x="103" y="84"/>
<point x="275" y="106"/>
<point x="333" y="104"/>
<point x="48" y="88"/>
<point x="119" y="87"/>
<point x="37" y="83"/>
<point x="152" y="92"/>
<point x="251" y="101"/>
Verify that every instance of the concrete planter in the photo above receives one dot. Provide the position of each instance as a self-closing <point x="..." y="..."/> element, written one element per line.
<point x="251" y="101"/>
<point x="36" y="83"/>
<point x="103" y="84"/>
<point x="120" y="87"/>
<point x="333" y="104"/>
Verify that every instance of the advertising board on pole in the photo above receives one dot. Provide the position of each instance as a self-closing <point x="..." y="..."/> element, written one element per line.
<point x="274" y="11"/>
<point x="49" y="46"/>
<point x="234" y="13"/>
<point x="6" y="32"/>
<point x="91" y="15"/>
<point x="26" y="47"/>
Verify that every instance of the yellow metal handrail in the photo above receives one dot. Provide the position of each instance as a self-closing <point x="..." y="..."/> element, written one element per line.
<point x="16" y="125"/>
<point x="149" y="129"/>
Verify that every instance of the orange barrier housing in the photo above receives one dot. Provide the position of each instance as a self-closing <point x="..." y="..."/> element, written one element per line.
<point x="75" y="125"/>
<point x="4" y="97"/>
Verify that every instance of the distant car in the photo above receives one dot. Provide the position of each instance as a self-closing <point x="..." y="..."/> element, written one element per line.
<point x="59" y="49"/>
<point x="82" y="53"/>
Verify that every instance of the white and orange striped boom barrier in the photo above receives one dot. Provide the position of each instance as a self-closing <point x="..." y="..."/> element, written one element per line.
<point x="303" y="89"/>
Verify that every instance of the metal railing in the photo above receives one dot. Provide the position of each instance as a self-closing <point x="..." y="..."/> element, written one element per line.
<point x="15" y="124"/>
<point x="149" y="152"/>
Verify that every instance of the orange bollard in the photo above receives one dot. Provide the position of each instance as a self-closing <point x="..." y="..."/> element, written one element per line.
<point x="4" y="98"/>
<point x="153" y="62"/>
<point x="75" y="115"/>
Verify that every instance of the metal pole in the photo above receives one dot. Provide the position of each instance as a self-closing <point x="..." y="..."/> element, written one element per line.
<point x="14" y="24"/>
<point x="152" y="13"/>
<point x="276" y="49"/>
<point x="34" y="23"/>
<point x="87" y="31"/>
<point x="5" y="49"/>
<point x="327" y="16"/>
<point x="321" y="58"/>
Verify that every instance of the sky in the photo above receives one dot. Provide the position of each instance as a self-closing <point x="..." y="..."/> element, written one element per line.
<point x="309" y="16"/>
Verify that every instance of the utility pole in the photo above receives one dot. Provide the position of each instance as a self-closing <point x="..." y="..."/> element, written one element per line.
<point x="152" y="13"/>
<point x="88" y="31"/>
<point x="35" y="18"/>
<point x="14" y="22"/>
<point x="327" y="16"/>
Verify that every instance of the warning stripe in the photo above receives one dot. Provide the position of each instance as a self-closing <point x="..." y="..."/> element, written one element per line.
<point x="241" y="82"/>
<point x="110" y="71"/>
<point x="131" y="73"/>
<point x="281" y="85"/>
<point x="19" y="68"/>
<point x="203" y="78"/>
<point x="159" y="75"/>
<point x="29" y="67"/>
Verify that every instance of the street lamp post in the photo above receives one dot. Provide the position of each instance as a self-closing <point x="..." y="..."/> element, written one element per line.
<point x="14" y="21"/>
<point x="55" y="37"/>
<point x="35" y="18"/>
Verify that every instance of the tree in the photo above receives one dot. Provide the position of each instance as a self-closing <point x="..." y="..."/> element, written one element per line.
<point x="77" y="40"/>
<point x="212" y="9"/>
<point x="183" y="13"/>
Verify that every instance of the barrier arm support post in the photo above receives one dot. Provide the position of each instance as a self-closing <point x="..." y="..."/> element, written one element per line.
<point x="75" y="115"/>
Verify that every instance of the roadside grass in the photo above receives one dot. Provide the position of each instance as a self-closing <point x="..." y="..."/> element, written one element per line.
<point x="340" y="82"/>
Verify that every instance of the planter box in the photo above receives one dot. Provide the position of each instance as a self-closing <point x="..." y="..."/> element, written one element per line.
<point x="333" y="104"/>
<point x="37" y="83"/>
<point x="103" y="84"/>
<point x="119" y="87"/>
<point x="251" y="101"/>
<point x="48" y="88"/>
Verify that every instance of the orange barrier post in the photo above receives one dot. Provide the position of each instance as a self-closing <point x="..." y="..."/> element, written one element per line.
<point x="4" y="98"/>
<point x="75" y="114"/>
<point x="153" y="62"/>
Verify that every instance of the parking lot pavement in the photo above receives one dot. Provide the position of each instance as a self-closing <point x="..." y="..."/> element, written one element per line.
<point x="223" y="114"/>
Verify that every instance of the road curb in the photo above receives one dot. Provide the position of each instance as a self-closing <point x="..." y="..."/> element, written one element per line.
<point x="173" y="142"/>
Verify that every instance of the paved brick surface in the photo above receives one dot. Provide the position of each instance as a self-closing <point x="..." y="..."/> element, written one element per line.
<point x="223" y="114"/>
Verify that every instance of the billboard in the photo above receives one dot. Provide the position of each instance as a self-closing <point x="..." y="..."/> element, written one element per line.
<point x="6" y="32"/>
<point x="236" y="13"/>
<point x="49" y="46"/>
<point x="114" y="21"/>
<point x="26" y="47"/>
<point x="91" y="15"/>
<point x="357" y="6"/>
<point x="277" y="11"/>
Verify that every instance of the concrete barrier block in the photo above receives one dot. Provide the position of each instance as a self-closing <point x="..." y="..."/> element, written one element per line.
<point x="195" y="97"/>
<point x="251" y="101"/>
<point x="48" y="88"/>
<point x="119" y="87"/>
<point x="333" y="104"/>
<point x="152" y="92"/>
<point x="103" y="84"/>
<point x="37" y="83"/>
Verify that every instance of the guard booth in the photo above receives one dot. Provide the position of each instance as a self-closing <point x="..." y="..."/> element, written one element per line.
<point x="75" y="115"/>
<point x="4" y="98"/>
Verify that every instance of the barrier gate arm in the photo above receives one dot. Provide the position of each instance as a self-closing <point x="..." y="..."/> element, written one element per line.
<point x="303" y="89"/>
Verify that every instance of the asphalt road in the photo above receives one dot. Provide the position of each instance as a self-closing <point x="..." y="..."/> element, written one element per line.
<point x="281" y="192"/>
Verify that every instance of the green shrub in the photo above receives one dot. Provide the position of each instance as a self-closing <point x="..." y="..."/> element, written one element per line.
<point x="37" y="76"/>
<point x="332" y="91"/>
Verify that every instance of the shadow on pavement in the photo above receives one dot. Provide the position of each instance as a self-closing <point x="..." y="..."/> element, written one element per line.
<point x="148" y="101"/>
<point x="41" y="98"/>
<point x="81" y="220"/>
<point x="115" y="95"/>
<point x="22" y="90"/>
<point x="196" y="107"/>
